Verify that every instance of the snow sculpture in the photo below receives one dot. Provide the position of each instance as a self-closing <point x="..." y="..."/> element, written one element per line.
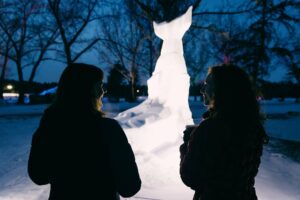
<point x="155" y="127"/>
<point x="167" y="104"/>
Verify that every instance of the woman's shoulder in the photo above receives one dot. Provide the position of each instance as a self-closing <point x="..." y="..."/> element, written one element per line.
<point x="212" y="128"/>
<point x="106" y="121"/>
<point x="49" y="114"/>
<point x="205" y="127"/>
<point x="209" y="123"/>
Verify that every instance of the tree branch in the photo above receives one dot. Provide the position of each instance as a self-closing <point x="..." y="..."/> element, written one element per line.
<point x="85" y="49"/>
<point x="225" y="12"/>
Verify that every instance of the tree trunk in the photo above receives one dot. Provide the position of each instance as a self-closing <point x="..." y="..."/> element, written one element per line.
<point x="4" y="65"/>
<point x="262" y="47"/>
<point x="21" y="83"/>
<point x="133" y="75"/>
<point x="21" y="92"/>
<point x="33" y="72"/>
<point x="68" y="55"/>
<point x="132" y="97"/>
<point x="36" y="65"/>
<point x="150" y="43"/>
<point x="66" y="44"/>
<point x="298" y="95"/>
<point x="259" y="58"/>
<point x="2" y="82"/>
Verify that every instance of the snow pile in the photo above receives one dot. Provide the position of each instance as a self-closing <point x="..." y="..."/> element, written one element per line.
<point x="285" y="119"/>
<point x="278" y="178"/>
<point x="49" y="91"/>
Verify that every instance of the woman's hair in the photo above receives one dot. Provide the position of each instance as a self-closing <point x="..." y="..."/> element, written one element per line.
<point x="80" y="87"/>
<point x="234" y="96"/>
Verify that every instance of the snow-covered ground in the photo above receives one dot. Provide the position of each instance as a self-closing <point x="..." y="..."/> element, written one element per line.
<point x="278" y="178"/>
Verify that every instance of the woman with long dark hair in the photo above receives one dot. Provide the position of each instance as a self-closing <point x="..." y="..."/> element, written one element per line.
<point x="78" y="151"/>
<point x="221" y="157"/>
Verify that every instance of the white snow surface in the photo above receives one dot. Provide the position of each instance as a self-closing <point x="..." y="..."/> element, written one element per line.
<point x="278" y="178"/>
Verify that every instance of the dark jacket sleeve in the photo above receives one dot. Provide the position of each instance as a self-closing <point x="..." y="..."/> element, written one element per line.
<point x="37" y="163"/>
<point x="192" y="157"/>
<point x="122" y="161"/>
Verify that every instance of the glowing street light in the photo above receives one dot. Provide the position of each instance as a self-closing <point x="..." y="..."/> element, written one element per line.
<point x="9" y="87"/>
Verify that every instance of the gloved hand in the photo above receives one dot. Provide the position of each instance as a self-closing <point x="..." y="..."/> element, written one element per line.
<point x="187" y="132"/>
<point x="183" y="150"/>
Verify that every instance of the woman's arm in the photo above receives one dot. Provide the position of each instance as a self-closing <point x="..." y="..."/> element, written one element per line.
<point x="37" y="163"/>
<point x="123" y="164"/>
<point x="192" y="159"/>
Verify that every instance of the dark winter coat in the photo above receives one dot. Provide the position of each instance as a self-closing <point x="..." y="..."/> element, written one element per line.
<point x="82" y="156"/>
<point x="220" y="163"/>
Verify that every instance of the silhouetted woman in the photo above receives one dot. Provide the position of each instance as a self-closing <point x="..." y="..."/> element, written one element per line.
<point x="221" y="158"/>
<point x="76" y="150"/>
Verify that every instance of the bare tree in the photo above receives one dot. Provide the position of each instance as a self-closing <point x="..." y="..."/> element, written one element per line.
<point x="115" y="48"/>
<point x="254" y="47"/>
<point x="42" y="45"/>
<point x="72" y="18"/>
<point x="197" y="54"/>
<point x="248" y="35"/>
<point x="294" y="65"/>
<point x="21" y="22"/>
<point x="5" y="45"/>
<point x="289" y="53"/>
<point x="14" y="23"/>
<point x="126" y="38"/>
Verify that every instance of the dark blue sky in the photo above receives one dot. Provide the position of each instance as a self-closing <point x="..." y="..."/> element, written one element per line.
<point x="50" y="71"/>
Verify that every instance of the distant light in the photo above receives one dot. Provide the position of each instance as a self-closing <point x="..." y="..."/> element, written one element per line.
<point x="9" y="95"/>
<point x="9" y="87"/>
<point x="137" y="91"/>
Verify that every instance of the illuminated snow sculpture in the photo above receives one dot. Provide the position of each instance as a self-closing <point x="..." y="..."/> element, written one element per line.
<point x="154" y="128"/>
<point x="164" y="114"/>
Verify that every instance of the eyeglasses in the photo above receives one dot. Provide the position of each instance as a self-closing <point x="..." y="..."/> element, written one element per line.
<point x="103" y="88"/>
<point x="203" y="88"/>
